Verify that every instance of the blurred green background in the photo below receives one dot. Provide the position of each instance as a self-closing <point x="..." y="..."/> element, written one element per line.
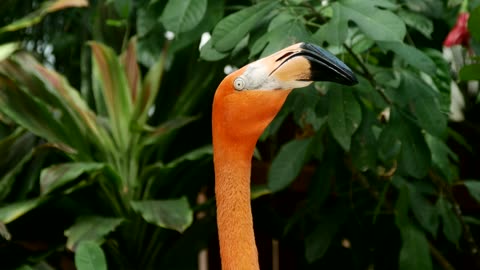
<point x="105" y="134"/>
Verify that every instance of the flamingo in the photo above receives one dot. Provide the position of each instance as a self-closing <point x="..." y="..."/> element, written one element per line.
<point x="245" y="102"/>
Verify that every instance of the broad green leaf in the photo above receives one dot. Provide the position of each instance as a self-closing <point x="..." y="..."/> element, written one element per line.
<point x="470" y="72"/>
<point x="415" y="156"/>
<point x="172" y="214"/>
<point x="378" y="24"/>
<point x="12" y="211"/>
<point x="90" y="228"/>
<point x="431" y="8"/>
<point x="425" y="212"/>
<point x="90" y="256"/>
<point x="421" y="99"/>
<point x="334" y="31"/>
<point x="344" y="115"/>
<point x="109" y="74"/>
<point x="37" y="15"/>
<point x="452" y="229"/>
<point x="473" y="22"/>
<point x="183" y="16"/>
<point x="285" y="35"/>
<point x="8" y="49"/>
<point x="123" y="7"/>
<point x="233" y="28"/>
<point x="403" y="140"/>
<point x="415" y="253"/>
<point x="57" y="176"/>
<point x="364" y="144"/>
<point x="473" y="187"/>
<point x="417" y="21"/>
<point x="288" y="163"/>
<point x="213" y="15"/>
<point x="441" y="155"/>
<point x="318" y="242"/>
<point x="411" y="55"/>
<point x="209" y="53"/>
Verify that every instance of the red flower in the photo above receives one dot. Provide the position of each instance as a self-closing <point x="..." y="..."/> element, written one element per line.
<point x="459" y="34"/>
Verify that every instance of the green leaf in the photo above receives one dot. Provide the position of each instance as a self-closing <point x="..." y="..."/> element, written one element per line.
<point x="285" y="35"/>
<point x="30" y="113"/>
<point x="172" y="214"/>
<point x="8" y="49"/>
<point x="417" y="21"/>
<point x="4" y="232"/>
<point x="415" y="156"/>
<point x="17" y="209"/>
<point x="233" y="28"/>
<point x="364" y="144"/>
<point x="59" y="175"/>
<point x="90" y="256"/>
<point x="335" y="31"/>
<point x="421" y="99"/>
<point x="452" y="229"/>
<point x="318" y="241"/>
<point x="182" y="16"/>
<point x="115" y="93"/>
<point x="424" y="212"/>
<point x="123" y="7"/>
<point x="50" y="88"/>
<point x="441" y="155"/>
<point x="344" y="115"/>
<point x="378" y="24"/>
<point x="90" y="228"/>
<point x="473" y="187"/>
<point x="156" y="133"/>
<point x="149" y="91"/>
<point x="470" y="72"/>
<point x="415" y="253"/>
<point x="288" y="163"/>
<point x="411" y="55"/>
<point x="400" y="134"/>
<point x="473" y="21"/>
<point x="8" y="180"/>
<point x="37" y="15"/>
<point x="208" y="53"/>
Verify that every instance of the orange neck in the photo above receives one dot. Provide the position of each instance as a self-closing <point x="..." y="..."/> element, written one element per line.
<point x="234" y="215"/>
<point x="238" y="120"/>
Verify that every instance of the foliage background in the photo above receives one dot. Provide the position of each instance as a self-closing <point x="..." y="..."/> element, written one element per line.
<point x="369" y="177"/>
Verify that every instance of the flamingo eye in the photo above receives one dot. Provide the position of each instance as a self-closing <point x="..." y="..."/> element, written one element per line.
<point x="239" y="83"/>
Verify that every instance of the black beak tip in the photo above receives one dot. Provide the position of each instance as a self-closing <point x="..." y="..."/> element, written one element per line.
<point x="325" y="66"/>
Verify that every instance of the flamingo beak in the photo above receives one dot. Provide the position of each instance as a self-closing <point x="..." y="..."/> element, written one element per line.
<point x="307" y="62"/>
<point x="324" y="66"/>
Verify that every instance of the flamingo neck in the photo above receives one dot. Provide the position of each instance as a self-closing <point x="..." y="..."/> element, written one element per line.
<point x="234" y="214"/>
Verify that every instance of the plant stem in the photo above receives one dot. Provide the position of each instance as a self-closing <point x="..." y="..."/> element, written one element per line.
<point x="368" y="75"/>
